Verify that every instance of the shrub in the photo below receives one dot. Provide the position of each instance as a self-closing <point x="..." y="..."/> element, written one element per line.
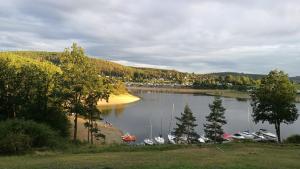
<point x="293" y="139"/>
<point x="20" y="135"/>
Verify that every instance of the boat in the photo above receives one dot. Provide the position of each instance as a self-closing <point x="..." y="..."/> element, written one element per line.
<point x="201" y="140"/>
<point x="237" y="136"/>
<point x="205" y="138"/>
<point x="227" y="137"/>
<point x="258" y="137"/>
<point x="247" y="135"/>
<point x="128" y="138"/>
<point x="268" y="135"/>
<point x="149" y="141"/>
<point x="171" y="139"/>
<point x="160" y="139"/>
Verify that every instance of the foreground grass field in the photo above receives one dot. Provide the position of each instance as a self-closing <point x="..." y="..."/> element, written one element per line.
<point x="227" y="156"/>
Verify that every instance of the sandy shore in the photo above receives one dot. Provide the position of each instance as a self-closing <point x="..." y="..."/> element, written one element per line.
<point x="113" y="134"/>
<point x="119" y="99"/>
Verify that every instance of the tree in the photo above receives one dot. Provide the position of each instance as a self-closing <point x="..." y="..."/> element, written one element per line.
<point x="99" y="89"/>
<point x="75" y="81"/>
<point x="215" y="121"/>
<point x="26" y="91"/>
<point x="186" y="125"/>
<point x="79" y="83"/>
<point x="274" y="101"/>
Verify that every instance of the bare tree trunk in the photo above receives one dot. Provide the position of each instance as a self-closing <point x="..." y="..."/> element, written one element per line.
<point x="75" y="127"/>
<point x="92" y="125"/>
<point x="88" y="131"/>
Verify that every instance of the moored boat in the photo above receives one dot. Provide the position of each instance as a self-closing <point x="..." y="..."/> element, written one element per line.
<point x="128" y="138"/>
<point x="148" y="141"/>
<point x="159" y="140"/>
<point x="171" y="139"/>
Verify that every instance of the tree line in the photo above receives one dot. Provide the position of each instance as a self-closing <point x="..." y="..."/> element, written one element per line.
<point x="273" y="101"/>
<point x="44" y="92"/>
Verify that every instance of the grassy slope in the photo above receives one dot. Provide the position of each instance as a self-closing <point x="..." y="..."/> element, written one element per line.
<point x="232" y="156"/>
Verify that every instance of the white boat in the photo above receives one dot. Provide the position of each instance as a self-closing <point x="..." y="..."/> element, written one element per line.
<point x="171" y="139"/>
<point x="247" y="135"/>
<point x="201" y="140"/>
<point x="237" y="136"/>
<point x="148" y="141"/>
<point x="268" y="135"/>
<point x="258" y="137"/>
<point x="159" y="140"/>
<point x="205" y="138"/>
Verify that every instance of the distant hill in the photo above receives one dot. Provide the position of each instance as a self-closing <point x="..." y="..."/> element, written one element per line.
<point x="253" y="76"/>
<point x="108" y="68"/>
<point x="295" y="79"/>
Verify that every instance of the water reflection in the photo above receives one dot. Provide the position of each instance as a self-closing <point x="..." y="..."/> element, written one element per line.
<point x="116" y="110"/>
<point x="157" y="107"/>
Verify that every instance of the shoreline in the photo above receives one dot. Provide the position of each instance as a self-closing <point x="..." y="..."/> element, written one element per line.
<point x="208" y="92"/>
<point x="112" y="134"/>
<point x="119" y="99"/>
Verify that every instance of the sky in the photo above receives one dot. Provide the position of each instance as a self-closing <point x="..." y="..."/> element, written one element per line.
<point x="251" y="36"/>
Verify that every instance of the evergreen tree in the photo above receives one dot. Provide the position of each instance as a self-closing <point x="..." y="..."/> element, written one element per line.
<point x="215" y="121"/>
<point x="186" y="126"/>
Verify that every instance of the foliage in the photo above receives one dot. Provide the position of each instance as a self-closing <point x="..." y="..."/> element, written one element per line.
<point x="27" y="90"/>
<point x="215" y="121"/>
<point x="80" y="84"/>
<point x="20" y="135"/>
<point x="274" y="101"/>
<point x="295" y="139"/>
<point x="186" y="126"/>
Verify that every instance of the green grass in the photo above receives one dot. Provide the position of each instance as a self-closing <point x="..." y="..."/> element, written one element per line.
<point x="226" y="156"/>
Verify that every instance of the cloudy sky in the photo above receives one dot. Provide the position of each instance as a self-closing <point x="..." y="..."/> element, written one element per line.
<point x="201" y="36"/>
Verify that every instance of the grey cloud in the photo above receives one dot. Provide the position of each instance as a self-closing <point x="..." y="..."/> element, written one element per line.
<point x="192" y="35"/>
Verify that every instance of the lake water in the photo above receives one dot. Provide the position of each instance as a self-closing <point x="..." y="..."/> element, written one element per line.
<point x="157" y="107"/>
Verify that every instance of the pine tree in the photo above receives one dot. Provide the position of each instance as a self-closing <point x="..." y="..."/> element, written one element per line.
<point x="215" y="121"/>
<point x="186" y="126"/>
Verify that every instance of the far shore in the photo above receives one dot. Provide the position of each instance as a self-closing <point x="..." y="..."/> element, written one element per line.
<point x="209" y="92"/>
<point x="119" y="99"/>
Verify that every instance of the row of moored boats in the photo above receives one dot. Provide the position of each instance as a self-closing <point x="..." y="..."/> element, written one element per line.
<point x="260" y="136"/>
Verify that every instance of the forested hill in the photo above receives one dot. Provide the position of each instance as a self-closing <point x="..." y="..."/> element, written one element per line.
<point x="108" y="68"/>
<point x="135" y="74"/>
<point x="253" y="76"/>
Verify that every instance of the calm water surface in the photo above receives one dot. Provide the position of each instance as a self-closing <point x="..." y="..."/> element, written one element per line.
<point x="157" y="107"/>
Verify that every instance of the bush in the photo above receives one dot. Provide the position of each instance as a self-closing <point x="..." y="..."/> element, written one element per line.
<point x="19" y="135"/>
<point x="293" y="139"/>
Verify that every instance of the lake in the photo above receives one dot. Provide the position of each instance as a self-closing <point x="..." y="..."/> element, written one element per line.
<point x="156" y="107"/>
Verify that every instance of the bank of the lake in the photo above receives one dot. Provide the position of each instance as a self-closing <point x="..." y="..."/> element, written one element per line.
<point x="225" y="156"/>
<point x="112" y="133"/>
<point x="208" y="92"/>
<point x="119" y="99"/>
